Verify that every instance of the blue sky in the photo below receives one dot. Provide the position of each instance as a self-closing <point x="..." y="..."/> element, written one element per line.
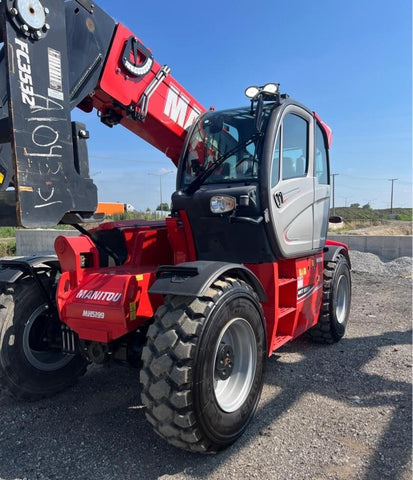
<point x="349" y="61"/>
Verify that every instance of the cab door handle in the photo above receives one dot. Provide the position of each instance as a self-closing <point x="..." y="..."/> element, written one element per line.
<point x="279" y="199"/>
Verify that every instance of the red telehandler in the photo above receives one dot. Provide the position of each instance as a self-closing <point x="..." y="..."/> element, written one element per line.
<point x="197" y="301"/>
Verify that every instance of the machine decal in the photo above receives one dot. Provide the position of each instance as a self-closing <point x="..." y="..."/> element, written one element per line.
<point x="93" y="314"/>
<point x="176" y="108"/>
<point x="25" y="72"/>
<point x="98" y="295"/>
<point x="55" y="89"/>
<point x="307" y="292"/>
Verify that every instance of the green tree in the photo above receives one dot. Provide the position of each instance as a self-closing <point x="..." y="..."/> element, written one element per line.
<point x="164" y="207"/>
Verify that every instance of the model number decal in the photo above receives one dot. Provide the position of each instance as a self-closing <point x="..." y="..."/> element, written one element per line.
<point x="25" y="72"/>
<point x="93" y="314"/>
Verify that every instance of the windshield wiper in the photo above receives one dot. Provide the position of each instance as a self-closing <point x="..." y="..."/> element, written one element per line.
<point x="200" y="180"/>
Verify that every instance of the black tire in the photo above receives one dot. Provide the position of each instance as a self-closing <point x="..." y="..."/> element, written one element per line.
<point x="335" y="309"/>
<point x="29" y="368"/>
<point x="203" y="366"/>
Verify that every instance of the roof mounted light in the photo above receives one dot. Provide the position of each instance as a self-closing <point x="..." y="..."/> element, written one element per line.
<point x="268" y="90"/>
<point x="252" y="92"/>
<point x="271" y="88"/>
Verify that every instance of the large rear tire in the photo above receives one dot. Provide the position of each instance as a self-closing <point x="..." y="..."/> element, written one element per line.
<point x="203" y="366"/>
<point x="30" y="367"/>
<point x="335" y="309"/>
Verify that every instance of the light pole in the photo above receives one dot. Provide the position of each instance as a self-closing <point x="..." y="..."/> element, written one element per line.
<point x="392" y="180"/>
<point x="160" y="175"/>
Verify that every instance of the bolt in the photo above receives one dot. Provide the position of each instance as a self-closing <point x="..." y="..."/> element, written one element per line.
<point x="13" y="11"/>
<point x="83" y="133"/>
<point x="46" y="26"/>
<point x="25" y="28"/>
<point x="37" y="34"/>
<point x="46" y="11"/>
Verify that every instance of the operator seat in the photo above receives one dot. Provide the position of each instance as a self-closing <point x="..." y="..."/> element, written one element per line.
<point x="289" y="170"/>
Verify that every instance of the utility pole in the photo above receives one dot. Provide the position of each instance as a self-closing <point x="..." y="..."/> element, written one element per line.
<point x="160" y="175"/>
<point x="334" y="193"/>
<point x="392" y="180"/>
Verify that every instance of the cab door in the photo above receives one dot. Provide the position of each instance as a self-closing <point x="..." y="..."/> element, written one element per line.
<point x="291" y="203"/>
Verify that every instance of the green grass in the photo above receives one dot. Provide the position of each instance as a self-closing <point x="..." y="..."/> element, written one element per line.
<point x="7" y="248"/>
<point x="7" y="232"/>
<point x="372" y="217"/>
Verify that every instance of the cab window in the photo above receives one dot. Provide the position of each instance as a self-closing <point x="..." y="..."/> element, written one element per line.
<point x="275" y="172"/>
<point x="294" y="147"/>
<point x="321" y="164"/>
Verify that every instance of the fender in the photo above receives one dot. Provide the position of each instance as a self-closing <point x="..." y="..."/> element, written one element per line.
<point x="194" y="278"/>
<point x="332" y="249"/>
<point x="14" y="269"/>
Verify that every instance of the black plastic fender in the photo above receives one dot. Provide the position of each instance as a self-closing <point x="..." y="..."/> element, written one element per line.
<point x="332" y="251"/>
<point x="11" y="270"/>
<point x="194" y="278"/>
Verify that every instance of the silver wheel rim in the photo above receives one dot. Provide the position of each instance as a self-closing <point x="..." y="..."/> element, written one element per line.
<point x="343" y="290"/>
<point x="45" y="360"/>
<point x="231" y="393"/>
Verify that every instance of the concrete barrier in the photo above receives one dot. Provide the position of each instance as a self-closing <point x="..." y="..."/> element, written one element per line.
<point x="39" y="241"/>
<point x="387" y="247"/>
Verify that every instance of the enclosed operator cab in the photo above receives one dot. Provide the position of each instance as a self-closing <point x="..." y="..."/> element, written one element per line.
<point x="254" y="182"/>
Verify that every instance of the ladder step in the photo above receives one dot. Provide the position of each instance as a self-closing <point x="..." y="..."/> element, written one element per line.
<point x="283" y="311"/>
<point x="280" y="340"/>
<point x="286" y="281"/>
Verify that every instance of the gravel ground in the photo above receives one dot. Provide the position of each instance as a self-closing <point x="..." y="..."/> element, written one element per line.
<point x="327" y="412"/>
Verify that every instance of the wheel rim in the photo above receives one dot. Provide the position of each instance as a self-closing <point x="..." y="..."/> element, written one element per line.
<point x="343" y="295"/>
<point x="36" y="348"/>
<point x="237" y="348"/>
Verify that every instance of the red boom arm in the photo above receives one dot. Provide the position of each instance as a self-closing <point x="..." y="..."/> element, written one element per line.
<point x="137" y="92"/>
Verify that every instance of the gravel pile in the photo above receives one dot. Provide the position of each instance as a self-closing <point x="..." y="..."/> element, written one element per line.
<point x="364" y="262"/>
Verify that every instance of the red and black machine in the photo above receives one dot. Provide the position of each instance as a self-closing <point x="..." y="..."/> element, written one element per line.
<point x="197" y="301"/>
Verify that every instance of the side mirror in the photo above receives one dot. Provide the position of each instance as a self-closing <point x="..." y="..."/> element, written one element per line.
<point x="335" y="219"/>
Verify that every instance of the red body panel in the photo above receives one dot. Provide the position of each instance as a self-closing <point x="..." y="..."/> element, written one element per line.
<point x="171" y="108"/>
<point x="294" y="292"/>
<point x="103" y="304"/>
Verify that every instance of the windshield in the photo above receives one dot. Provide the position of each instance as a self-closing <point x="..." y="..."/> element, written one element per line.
<point x="218" y="134"/>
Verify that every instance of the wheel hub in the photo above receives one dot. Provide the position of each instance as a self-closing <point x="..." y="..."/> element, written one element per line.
<point x="224" y="362"/>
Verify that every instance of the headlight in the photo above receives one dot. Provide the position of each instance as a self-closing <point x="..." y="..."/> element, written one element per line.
<point x="222" y="203"/>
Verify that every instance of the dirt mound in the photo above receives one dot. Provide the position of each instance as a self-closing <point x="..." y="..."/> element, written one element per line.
<point x="393" y="227"/>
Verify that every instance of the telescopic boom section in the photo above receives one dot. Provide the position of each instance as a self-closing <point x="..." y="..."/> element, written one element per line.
<point x="56" y="56"/>
<point x="141" y="94"/>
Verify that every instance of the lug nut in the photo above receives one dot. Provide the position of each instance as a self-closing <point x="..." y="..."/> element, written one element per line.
<point x="46" y="11"/>
<point x="13" y="11"/>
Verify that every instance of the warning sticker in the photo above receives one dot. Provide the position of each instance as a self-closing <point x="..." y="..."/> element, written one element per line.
<point x="55" y="89"/>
